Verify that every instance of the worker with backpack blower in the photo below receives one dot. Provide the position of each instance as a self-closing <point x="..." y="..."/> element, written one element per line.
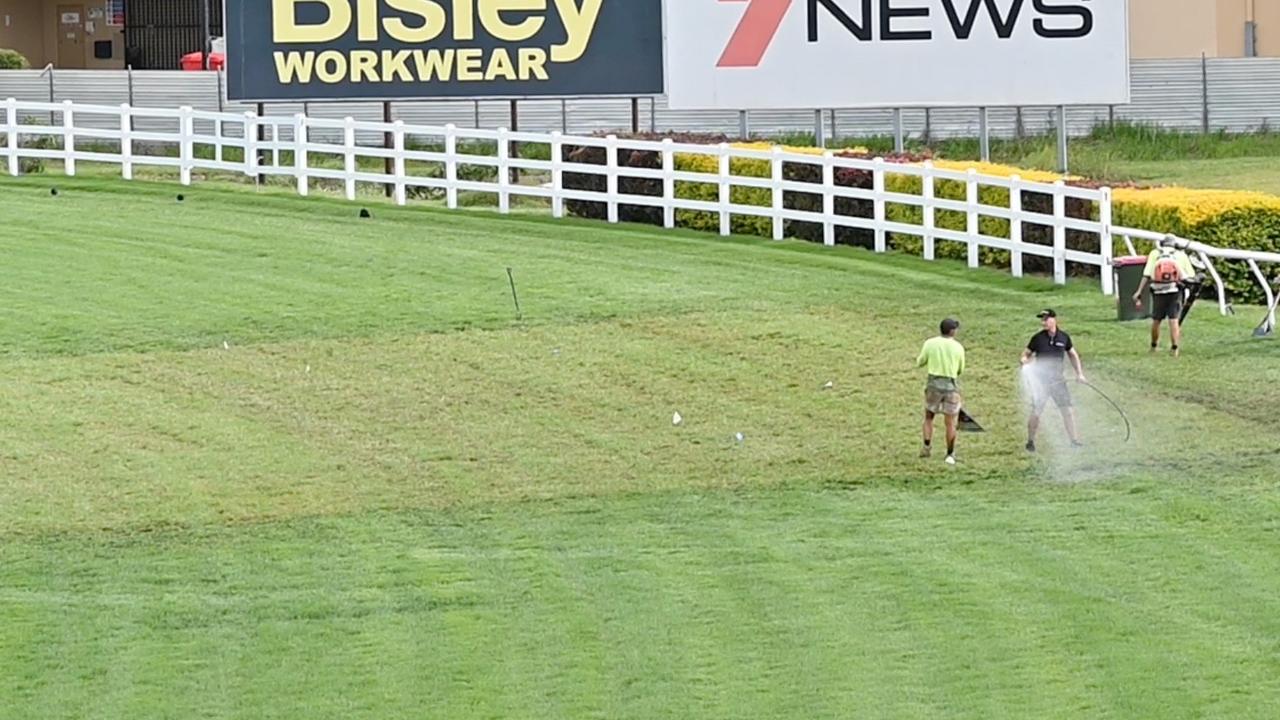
<point x="1168" y="269"/>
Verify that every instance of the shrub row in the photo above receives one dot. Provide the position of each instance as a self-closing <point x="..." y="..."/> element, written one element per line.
<point x="1223" y="218"/>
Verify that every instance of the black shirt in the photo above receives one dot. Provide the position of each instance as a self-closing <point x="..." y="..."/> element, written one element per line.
<point x="1050" y="350"/>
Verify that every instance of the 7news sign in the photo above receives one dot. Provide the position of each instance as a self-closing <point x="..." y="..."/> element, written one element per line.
<point x="409" y="49"/>
<point x="758" y="54"/>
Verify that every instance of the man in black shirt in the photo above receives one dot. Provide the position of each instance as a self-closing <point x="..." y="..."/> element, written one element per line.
<point x="1043" y="363"/>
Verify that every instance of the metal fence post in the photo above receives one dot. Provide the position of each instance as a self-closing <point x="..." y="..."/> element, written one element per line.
<point x="1204" y="94"/>
<point x="984" y="135"/>
<point x="899" y="140"/>
<point x="819" y="132"/>
<point x="743" y="127"/>
<point x="1063" y="166"/>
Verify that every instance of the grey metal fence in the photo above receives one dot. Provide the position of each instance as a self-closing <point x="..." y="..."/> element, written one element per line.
<point x="1237" y="94"/>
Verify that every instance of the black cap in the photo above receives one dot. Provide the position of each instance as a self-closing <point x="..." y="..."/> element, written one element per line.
<point x="1046" y="313"/>
<point x="949" y="326"/>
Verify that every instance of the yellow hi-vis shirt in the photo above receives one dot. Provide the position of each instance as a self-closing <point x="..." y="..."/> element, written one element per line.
<point x="1185" y="268"/>
<point x="943" y="356"/>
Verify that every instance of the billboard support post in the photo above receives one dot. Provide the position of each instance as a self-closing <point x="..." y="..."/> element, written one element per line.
<point x="1062" y="139"/>
<point x="984" y="135"/>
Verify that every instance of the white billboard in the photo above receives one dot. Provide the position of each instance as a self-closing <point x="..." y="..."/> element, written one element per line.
<point x="758" y="54"/>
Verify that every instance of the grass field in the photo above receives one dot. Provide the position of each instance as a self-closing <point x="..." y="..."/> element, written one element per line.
<point x="262" y="459"/>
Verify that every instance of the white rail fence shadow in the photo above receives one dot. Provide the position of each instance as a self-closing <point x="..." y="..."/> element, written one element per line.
<point x="309" y="149"/>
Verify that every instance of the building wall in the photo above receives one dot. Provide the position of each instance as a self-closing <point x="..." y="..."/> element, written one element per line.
<point x="1172" y="28"/>
<point x="21" y="23"/>
<point x="33" y="27"/>
<point x="1267" y="15"/>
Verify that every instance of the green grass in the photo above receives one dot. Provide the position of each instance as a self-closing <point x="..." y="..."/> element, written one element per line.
<point x="386" y="497"/>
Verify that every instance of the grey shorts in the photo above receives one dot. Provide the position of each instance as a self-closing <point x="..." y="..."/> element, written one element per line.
<point x="1045" y="390"/>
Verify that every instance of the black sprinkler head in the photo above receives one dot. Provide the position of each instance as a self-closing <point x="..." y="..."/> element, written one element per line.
<point x="53" y="192"/>
<point x="181" y="198"/>
<point x="365" y="214"/>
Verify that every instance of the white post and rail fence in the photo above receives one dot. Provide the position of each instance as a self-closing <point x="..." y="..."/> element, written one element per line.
<point x="202" y="140"/>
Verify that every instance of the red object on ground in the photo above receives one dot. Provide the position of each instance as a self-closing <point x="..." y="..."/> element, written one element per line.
<point x="195" y="61"/>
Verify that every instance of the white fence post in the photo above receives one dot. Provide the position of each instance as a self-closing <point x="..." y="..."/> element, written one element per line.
<point x="877" y="186"/>
<point x="927" y="209"/>
<point x="250" y="144"/>
<point x="504" y="172"/>
<point x="611" y="176"/>
<point x="971" y="224"/>
<point x="1015" y="225"/>
<point x="828" y="199"/>
<point x="668" y="184"/>
<point x="397" y="163"/>
<point x="777" y="192"/>
<point x="1059" y="233"/>
<point x="186" y="145"/>
<point x="724" y="184"/>
<point x="451" y="165"/>
<point x="557" y="174"/>
<point x="126" y="142"/>
<point x="349" y="156"/>
<point x="217" y="140"/>
<point x="1107" y="242"/>
<point x="11" y="133"/>
<point x="69" y="138"/>
<point x="300" y="153"/>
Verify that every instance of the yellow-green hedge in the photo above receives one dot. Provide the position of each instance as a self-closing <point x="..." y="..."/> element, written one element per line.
<point x="1224" y="218"/>
<point x="738" y="195"/>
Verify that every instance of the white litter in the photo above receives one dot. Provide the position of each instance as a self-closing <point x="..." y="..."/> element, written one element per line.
<point x="676" y="419"/>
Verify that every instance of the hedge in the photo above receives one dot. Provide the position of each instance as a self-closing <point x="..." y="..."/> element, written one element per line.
<point x="12" y="60"/>
<point x="1035" y="202"/>
<point x="1225" y="218"/>
<point x="800" y="172"/>
<point x="1241" y="220"/>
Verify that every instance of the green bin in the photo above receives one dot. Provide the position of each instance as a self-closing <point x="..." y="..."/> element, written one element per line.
<point x="1128" y="271"/>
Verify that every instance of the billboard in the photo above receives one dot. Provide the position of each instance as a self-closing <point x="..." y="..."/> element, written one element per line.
<point x="320" y="50"/>
<point x="756" y="54"/>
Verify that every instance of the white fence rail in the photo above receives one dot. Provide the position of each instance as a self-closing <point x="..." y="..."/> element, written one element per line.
<point x="252" y="145"/>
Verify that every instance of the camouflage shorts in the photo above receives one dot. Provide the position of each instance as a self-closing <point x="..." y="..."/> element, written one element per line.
<point x="942" y="396"/>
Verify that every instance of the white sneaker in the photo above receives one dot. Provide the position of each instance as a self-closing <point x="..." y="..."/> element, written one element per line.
<point x="951" y="459"/>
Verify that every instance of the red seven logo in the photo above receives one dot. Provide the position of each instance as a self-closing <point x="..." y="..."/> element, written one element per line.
<point x="755" y="32"/>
